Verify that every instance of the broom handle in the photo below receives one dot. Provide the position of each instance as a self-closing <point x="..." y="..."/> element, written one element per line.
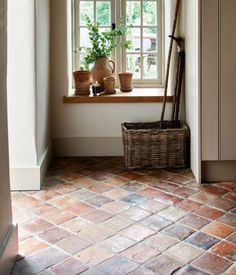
<point x="168" y="62"/>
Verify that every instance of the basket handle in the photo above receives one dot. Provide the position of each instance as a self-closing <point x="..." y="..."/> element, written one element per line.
<point x="168" y="62"/>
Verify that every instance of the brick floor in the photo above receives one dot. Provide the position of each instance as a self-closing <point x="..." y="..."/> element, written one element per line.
<point x="94" y="217"/>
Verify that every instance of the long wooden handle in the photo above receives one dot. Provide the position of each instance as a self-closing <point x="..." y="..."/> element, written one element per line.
<point x="168" y="62"/>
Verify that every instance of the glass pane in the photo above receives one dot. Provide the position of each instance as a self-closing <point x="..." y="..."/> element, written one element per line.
<point x="133" y="64"/>
<point x="84" y="38"/>
<point x="86" y="9"/>
<point x="149" y="13"/>
<point x="134" y="37"/>
<point x="149" y="39"/>
<point x="149" y="66"/>
<point x="103" y="13"/>
<point x="133" y="13"/>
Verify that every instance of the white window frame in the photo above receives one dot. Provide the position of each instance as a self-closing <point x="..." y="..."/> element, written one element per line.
<point x="119" y="53"/>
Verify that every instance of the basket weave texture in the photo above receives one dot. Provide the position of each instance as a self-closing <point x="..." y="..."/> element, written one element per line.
<point x="146" y="145"/>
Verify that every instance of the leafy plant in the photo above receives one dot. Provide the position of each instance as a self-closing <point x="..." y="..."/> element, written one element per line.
<point x="102" y="42"/>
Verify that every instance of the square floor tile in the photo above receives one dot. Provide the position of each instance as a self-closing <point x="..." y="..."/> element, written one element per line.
<point x="136" y="213"/>
<point x="133" y="186"/>
<point x="116" y="223"/>
<point x="218" y="229"/>
<point x="184" y="192"/>
<point x="116" y="243"/>
<point x="153" y="206"/>
<point x="58" y="216"/>
<point x="133" y="199"/>
<point x="137" y="232"/>
<point x="54" y="235"/>
<point x="209" y="213"/>
<point x="30" y="246"/>
<point x="194" y="221"/>
<point x="96" y="216"/>
<point x="165" y="185"/>
<point x="76" y="225"/>
<point x="100" y="188"/>
<point x="202" y="240"/>
<point x="80" y="209"/>
<point x="211" y="263"/>
<point x="37" y="226"/>
<point x="178" y="231"/>
<point x="232" y="238"/>
<point x="173" y="213"/>
<point x="167" y="198"/>
<point x="188" y="205"/>
<point x="228" y="218"/>
<point x="189" y="270"/>
<point x="203" y="197"/>
<point x="223" y="204"/>
<point x="73" y="244"/>
<point x="116" y="193"/>
<point x="94" y="233"/>
<point x="160" y="241"/>
<point x="225" y="249"/>
<point x="156" y="222"/>
<point x="115" y="207"/>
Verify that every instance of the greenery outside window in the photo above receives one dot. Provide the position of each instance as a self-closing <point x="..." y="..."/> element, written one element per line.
<point x="144" y="18"/>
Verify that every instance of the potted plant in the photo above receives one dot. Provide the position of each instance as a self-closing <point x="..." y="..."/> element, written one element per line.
<point x="103" y="43"/>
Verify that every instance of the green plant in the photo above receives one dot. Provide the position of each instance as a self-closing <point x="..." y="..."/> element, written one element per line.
<point x="102" y="42"/>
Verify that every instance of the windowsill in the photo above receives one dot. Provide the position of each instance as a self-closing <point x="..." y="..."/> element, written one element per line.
<point x="138" y="95"/>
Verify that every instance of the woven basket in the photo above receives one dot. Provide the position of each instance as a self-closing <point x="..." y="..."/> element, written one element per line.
<point x="146" y="145"/>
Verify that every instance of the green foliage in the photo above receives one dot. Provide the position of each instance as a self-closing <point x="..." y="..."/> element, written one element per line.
<point x="102" y="43"/>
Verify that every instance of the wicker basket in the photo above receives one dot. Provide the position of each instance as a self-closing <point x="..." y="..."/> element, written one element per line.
<point x="146" y="145"/>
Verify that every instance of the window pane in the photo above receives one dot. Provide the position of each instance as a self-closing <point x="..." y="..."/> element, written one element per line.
<point x="149" y="39"/>
<point x="134" y="36"/>
<point x="133" y="64"/>
<point x="84" y="38"/>
<point x="149" y="13"/>
<point x="103" y="13"/>
<point x="86" y="9"/>
<point x="150" y="66"/>
<point x="133" y="13"/>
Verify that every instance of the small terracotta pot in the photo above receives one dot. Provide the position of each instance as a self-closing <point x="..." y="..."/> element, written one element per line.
<point x="125" y="81"/>
<point x="82" y="81"/>
<point x="109" y="83"/>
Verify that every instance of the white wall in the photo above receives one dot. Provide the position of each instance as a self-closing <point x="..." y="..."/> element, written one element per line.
<point x="189" y="28"/>
<point x="79" y="129"/>
<point x="28" y="91"/>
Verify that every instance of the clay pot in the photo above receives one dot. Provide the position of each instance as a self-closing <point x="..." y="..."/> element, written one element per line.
<point x="82" y="81"/>
<point x="109" y="83"/>
<point x="102" y="68"/>
<point x="125" y="82"/>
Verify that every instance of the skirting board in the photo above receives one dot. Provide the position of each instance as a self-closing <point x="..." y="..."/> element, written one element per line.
<point x="9" y="251"/>
<point x="88" y="146"/>
<point x="30" y="178"/>
<point x="214" y="171"/>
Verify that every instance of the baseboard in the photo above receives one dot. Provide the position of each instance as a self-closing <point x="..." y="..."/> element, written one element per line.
<point x="9" y="251"/>
<point x="88" y="146"/>
<point x="214" y="171"/>
<point x="30" y="178"/>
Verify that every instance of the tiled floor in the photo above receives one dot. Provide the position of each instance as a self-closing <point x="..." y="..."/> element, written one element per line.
<point x="95" y="217"/>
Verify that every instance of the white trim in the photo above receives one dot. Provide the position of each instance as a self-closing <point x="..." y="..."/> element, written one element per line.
<point x="30" y="178"/>
<point x="88" y="146"/>
<point x="9" y="250"/>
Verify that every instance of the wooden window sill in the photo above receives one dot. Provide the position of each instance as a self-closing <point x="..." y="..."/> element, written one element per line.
<point x="138" y="95"/>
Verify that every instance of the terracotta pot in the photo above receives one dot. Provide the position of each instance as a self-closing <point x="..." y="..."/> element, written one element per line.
<point x="109" y="83"/>
<point x="82" y="81"/>
<point x="102" y="68"/>
<point x="125" y="82"/>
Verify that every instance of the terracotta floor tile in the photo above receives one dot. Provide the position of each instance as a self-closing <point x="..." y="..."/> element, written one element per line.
<point x="83" y="195"/>
<point x="58" y="216"/>
<point x="22" y="234"/>
<point x="135" y="213"/>
<point x="30" y="246"/>
<point x="140" y="253"/>
<point x="84" y="182"/>
<point x="17" y="195"/>
<point x="164" y="185"/>
<point x="73" y="244"/>
<point x="150" y="192"/>
<point x="225" y="249"/>
<point x="189" y="270"/>
<point x="115" y="207"/>
<point x="48" y="257"/>
<point x="116" y="181"/>
<point x="228" y="218"/>
<point x="94" y="255"/>
<point x="64" y="201"/>
<point x="116" y="194"/>
<point x="26" y="202"/>
<point x="230" y="196"/>
<point x="147" y="179"/>
<point x="69" y="176"/>
<point x="65" y="188"/>
<point x="137" y="232"/>
<point x="211" y="189"/>
<point x="184" y="191"/>
<point x="116" y="244"/>
<point x="202" y="240"/>
<point x="156" y="222"/>
<point x="183" y="253"/>
<point x="22" y="216"/>
<point x="133" y="199"/>
<point x="95" y="233"/>
<point x="176" y="178"/>
<point x="218" y="229"/>
<point x="223" y="204"/>
<point x="173" y="213"/>
<point x="178" y="231"/>
<point x="72" y="265"/>
<point x="226" y="185"/>
<point x="117" y="265"/>
<point x="160" y="241"/>
<point x="211" y="263"/>
<point x="167" y="198"/>
<point x="133" y="186"/>
<point x="76" y="225"/>
<point x="42" y="209"/>
<point x="37" y="226"/>
<point x="116" y="223"/>
<point x="100" y="188"/>
<point x="194" y="221"/>
<point x="54" y="235"/>
<point x="209" y="213"/>
<point x="188" y="205"/>
<point x="162" y="265"/>
<point x="203" y="197"/>
<point x="98" y="201"/>
<point x="45" y="195"/>
<point x="231" y="270"/>
<point x="153" y="206"/>
<point x="131" y="175"/>
<point x="232" y="238"/>
<point x="80" y="209"/>
<point x="96" y="216"/>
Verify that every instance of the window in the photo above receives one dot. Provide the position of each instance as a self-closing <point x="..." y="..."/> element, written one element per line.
<point x="144" y="19"/>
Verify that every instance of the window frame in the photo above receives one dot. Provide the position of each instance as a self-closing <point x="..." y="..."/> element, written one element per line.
<point x="119" y="53"/>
